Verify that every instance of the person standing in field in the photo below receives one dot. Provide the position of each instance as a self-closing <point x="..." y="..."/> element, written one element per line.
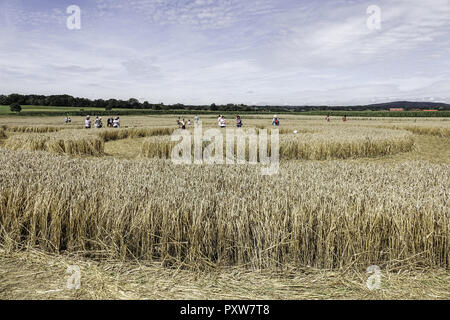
<point x="275" y="121"/>
<point x="116" y="122"/>
<point x="196" y="119"/>
<point x="222" y="122"/>
<point x="238" y="122"/>
<point x="87" y="122"/>
<point x="344" y="119"/>
<point x="219" y="120"/>
<point x="328" y="118"/>
<point x="189" y="122"/>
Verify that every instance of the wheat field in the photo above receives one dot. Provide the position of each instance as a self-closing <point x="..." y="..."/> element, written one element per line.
<point x="339" y="201"/>
<point x="73" y="142"/>
<point x="321" y="143"/>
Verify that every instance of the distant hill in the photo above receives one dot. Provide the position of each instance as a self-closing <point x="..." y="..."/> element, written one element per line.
<point x="406" y="105"/>
<point x="411" y="105"/>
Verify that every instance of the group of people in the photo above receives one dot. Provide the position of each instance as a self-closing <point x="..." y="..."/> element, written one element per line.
<point x="182" y="123"/>
<point x="222" y="122"/>
<point x="344" y="118"/>
<point x="111" y="122"/>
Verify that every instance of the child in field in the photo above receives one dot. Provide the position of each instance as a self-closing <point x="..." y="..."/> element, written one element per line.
<point x="87" y="122"/>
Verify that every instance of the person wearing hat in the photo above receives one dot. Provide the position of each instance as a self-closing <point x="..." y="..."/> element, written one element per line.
<point x="275" y="121"/>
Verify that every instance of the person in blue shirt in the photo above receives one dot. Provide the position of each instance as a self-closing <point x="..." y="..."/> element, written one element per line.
<point x="238" y="121"/>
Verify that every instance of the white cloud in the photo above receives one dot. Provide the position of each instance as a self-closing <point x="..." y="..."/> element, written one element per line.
<point x="200" y="51"/>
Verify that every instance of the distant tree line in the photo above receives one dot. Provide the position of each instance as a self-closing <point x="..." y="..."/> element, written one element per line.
<point x="133" y="103"/>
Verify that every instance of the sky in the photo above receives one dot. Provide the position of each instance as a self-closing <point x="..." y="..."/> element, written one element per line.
<point x="256" y="52"/>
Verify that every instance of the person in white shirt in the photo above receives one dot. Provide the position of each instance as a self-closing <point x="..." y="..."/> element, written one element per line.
<point x="116" y="123"/>
<point x="222" y="122"/>
<point x="87" y="122"/>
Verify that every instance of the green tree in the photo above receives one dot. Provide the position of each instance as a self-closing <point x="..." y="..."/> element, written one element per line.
<point x="15" y="107"/>
<point x="133" y="103"/>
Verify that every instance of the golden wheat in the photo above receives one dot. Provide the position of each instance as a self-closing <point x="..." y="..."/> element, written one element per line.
<point x="3" y="134"/>
<point x="431" y="131"/>
<point x="117" y="134"/>
<point x="329" y="142"/>
<point x="326" y="215"/>
<point x="73" y="142"/>
<point x="31" y="129"/>
<point x="344" y="143"/>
